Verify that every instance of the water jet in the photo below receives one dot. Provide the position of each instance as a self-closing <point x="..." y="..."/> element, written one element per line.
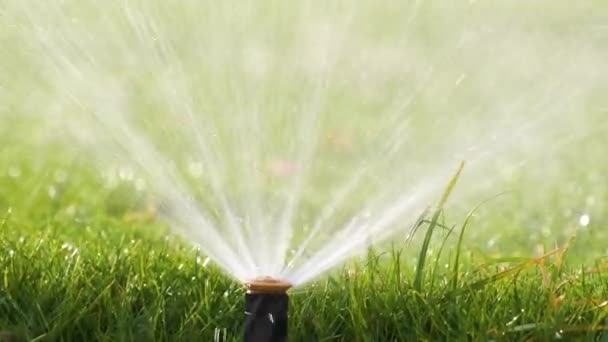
<point x="266" y="310"/>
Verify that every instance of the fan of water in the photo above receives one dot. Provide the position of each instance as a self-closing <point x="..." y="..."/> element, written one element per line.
<point x="284" y="138"/>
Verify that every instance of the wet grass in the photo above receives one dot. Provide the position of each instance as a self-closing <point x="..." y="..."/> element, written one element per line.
<point x="81" y="262"/>
<point x="108" y="282"/>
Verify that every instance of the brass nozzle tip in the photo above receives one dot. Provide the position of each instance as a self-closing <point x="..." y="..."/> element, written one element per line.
<point x="267" y="285"/>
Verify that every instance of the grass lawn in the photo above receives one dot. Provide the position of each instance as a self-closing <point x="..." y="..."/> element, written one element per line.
<point x="79" y="263"/>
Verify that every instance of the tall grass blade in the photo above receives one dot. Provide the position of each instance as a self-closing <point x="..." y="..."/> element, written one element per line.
<point x="432" y="226"/>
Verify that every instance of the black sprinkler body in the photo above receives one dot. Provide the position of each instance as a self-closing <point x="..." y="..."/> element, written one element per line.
<point x="266" y="310"/>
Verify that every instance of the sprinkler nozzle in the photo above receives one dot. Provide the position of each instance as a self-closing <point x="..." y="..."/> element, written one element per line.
<point x="267" y="285"/>
<point x="266" y="310"/>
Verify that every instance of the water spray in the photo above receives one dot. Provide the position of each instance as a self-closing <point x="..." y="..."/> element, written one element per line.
<point x="266" y="310"/>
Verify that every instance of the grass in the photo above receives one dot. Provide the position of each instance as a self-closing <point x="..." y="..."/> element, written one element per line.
<point x="117" y="285"/>
<point x="99" y="272"/>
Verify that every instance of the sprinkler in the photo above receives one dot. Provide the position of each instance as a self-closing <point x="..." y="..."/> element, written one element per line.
<point x="266" y="308"/>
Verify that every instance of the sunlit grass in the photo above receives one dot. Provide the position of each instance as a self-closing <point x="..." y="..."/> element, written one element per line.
<point x="107" y="281"/>
<point x="87" y="262"/>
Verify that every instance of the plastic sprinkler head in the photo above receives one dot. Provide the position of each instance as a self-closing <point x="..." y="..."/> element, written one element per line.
<point x="266" y="310"/>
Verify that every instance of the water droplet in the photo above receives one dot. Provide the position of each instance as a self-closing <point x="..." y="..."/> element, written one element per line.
<point x="126" y="173"/>
<point x="71" y="210"/>
<point x="206" y="262"/>
<point x="512" y="321"/>
<point x="491" y="243"/>
<point x="460" y="79"/>
<point x="52" y="192"/>
<point x="584" y="220"/>
<point x="14" y="172"/>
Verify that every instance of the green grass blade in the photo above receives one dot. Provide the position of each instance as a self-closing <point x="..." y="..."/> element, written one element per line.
<point x="461" y="238"/>
<point x="434" y="222"/>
